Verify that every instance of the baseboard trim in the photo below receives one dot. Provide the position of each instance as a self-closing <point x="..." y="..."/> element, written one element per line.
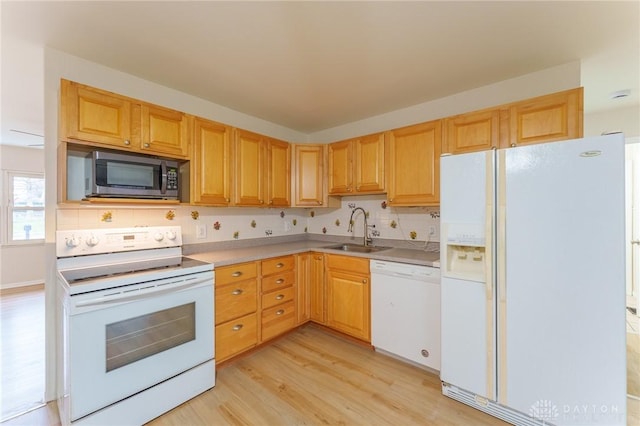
<point x="21" y="287"/>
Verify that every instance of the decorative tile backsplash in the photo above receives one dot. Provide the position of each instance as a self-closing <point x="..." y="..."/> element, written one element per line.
<point x="227" y="224"/>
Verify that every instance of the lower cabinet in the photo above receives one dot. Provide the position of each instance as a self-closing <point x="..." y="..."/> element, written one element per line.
<point x="348" y="295"/>
<point x="236" y="304"/>
<point x="317" y="293"/>
<point x="277" y="296"/>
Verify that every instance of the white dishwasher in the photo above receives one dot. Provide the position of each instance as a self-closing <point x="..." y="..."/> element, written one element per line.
<point x="405" y="311"/>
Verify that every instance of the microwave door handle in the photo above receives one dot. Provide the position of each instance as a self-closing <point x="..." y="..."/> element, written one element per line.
<point x="163" y="177"/>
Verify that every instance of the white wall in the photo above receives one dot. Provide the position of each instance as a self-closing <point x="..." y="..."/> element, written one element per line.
<point x="19" y="264"/>
<point x="625" y="120"/>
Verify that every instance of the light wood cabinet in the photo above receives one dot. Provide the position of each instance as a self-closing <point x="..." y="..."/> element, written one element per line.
<point x="163" y="132"/>
<point x="278" y="296"/>
<point x="303" y="300"/>
<point x="349" y="295"/>
<point x="278" y="173"/>
<point x="95" y="116"/>
<point x="413" y="165"/>
<point x="317" y="293"/>
<point x="554" y="117"/>
<point x="211" y="163"/>
<point x="262" y="170"/>
<point x="308" y="175"/>
<point x="357" y="166"/>
<point x="236" y="306"/>
<point x="476" y="131"/>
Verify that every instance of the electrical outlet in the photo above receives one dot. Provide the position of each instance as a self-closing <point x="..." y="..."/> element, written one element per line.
<point x="432" y="230"/>
<point x="201" y="232"/>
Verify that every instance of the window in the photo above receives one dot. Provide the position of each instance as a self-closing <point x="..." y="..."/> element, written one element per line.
<point x="26" y="207"/>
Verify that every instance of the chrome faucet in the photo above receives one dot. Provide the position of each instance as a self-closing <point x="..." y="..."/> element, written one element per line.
<point x="365" y="237"/>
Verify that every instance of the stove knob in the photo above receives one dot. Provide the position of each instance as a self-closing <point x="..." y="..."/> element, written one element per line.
<point x="158" y="236"/>
<point x="72" y="242"/>
<point x="171" y="235"/>
<point x="92" y="241"/>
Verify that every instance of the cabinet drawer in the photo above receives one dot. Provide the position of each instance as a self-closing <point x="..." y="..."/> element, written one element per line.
<point x="276" y="297"/>
<point x="277" y="320"/>
<point x="278" y="281"/>
<point x="236" y="300"/>
<point x="235" y="336"/>
<point x="235" y="273"/>
<point x="277" y="264"/>
<point x="356" y="265"/>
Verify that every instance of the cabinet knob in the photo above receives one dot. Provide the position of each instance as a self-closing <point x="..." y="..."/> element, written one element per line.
<point x="279" y="280"/>
<point x="146" y="145"/>
<point x="270" y="202"/>
<point x="364" y="281"/>
<point x="237" y="292"/>
<point x="280" y="297"/>
<point x="261" y="202"/>
<point x="514" y="144"/>
<point x="279" y="265"/>
<point x="319" y="202"/>
<point x="127" y="142"/>
<point x="226" y="199"/>
<point x="237" y="327"/>
<point x="280" y="312"/>
<point x="236" y="274"/>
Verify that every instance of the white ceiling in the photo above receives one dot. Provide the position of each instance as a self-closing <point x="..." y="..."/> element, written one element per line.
<point x="310" y="66"/>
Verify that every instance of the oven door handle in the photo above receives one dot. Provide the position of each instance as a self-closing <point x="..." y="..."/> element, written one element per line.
<point x="145" y="292"/>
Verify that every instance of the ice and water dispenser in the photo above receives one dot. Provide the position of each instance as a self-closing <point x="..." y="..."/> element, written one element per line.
<point x="464" y="252"/>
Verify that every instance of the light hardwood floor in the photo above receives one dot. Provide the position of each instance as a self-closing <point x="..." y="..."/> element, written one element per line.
<point x="314" y="377"/>
<point x="22" y="343"/>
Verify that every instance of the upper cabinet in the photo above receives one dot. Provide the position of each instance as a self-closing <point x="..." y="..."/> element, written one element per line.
<point x="94" y="115"/>
<point x="413" y="165"/>
<point x="211" y="163"/>
<point x="357" y="166"/>
<point x="101" y="118"/>
<point x="545" y="119"/>
<point x="163" y="132"/>
<point x="475" y="131"/>
<point x="308" y="175"/>
<point x="262" y="171"/>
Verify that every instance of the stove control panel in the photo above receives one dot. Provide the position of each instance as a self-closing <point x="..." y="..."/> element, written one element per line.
<point x="99" y="241"/>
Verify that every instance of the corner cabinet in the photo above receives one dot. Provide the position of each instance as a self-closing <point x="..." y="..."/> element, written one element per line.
<point x="349" y="295"/>
<point x="357" y="166"/>
<point x="317" y="289"/>
<point x="278" y="173"/>
<point x="549" y="118"/>
<point x="308" y="175"/>
<point x="210" y="163"/>
<point x="413" y="165"/>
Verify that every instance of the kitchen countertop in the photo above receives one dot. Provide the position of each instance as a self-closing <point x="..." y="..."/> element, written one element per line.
<point x="224" y="257"/>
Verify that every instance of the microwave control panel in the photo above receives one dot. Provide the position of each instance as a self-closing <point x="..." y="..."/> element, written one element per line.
<point x="172" y="178"/>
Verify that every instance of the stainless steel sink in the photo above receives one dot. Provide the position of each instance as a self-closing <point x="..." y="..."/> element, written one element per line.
<point x="357" y="248"/>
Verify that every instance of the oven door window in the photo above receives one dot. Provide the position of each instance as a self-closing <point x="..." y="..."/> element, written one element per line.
<point x="137" y="338"/>
<point x="120" y="174"/>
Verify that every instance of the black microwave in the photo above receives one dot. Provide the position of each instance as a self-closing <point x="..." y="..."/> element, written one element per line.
<point x="109" y="174"/>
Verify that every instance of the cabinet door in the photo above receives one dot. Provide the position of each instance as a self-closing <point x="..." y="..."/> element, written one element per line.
<point x="163" y="131"/>
<point x="348" y="303"/>
<point x="96" y="116"/>
<point x="475" y="131"/>
<point x="303" y="282"/>
<point x="249" y="169"/>
<point x="413" y="165"/>
<point x="211" y="162"/>
<point x="309" y="175"/>
<point x="369" y="172"/>
<point x="317" y="293"/>
<point x="545" y="119"/>
<point x="340" y="167"/>
<point x="279" y="173"/>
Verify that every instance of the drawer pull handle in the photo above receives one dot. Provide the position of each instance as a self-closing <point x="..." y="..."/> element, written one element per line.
<point x="237" y="327"/>
<point x="279" y="280"/>
<point x="280" y="297"/>
<point x="280" y="312"/>
<point x="237" y="292"/>
<point x="279" y="265"/>
<point x="237" y="274"/>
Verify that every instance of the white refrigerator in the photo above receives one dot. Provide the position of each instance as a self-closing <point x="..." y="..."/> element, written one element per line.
<point x="533" y="290"/>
